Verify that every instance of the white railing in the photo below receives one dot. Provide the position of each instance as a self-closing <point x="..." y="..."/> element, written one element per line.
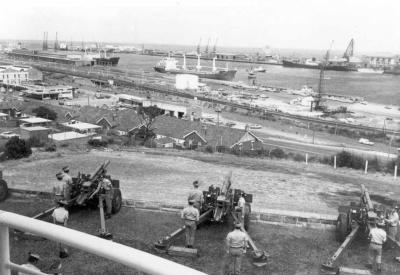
<point x="130" y="257"/>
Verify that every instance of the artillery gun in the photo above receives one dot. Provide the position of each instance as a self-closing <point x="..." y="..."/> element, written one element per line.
<point x="353" y="219"/>
<point x="219" y="204"/>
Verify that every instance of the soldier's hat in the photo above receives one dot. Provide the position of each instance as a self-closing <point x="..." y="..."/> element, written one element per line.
<point x="65" y="169"/>
<point x="196" y="183"/>
<point x="33" y="257"/>
<point x="59" y="174"/>
<point x="62" y="202"/>
<point x="191" y="202"/>
<point x="238" y="225"/>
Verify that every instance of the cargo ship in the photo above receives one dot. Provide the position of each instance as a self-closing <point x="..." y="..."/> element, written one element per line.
<point x="312" y="64"/>
<point x="170" y="65"/>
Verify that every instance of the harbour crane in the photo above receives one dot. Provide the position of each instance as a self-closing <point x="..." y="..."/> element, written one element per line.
<point x="198" y="46"/>
<point x="215" y="46"/>
<point x="208" y="43"/>
<point x="349" y="51"/>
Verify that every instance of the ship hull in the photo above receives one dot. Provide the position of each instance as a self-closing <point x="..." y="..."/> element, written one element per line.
<point x="107" y="61"/>
<point x="392" y="71"/>
<point x="219" y="75"/>
<point x="291" y="64"/>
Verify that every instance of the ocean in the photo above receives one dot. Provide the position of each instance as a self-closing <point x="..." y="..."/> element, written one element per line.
<point x="384" y="89"/>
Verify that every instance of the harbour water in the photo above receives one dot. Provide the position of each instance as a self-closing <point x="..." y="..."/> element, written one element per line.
<point x="384" y="89"/>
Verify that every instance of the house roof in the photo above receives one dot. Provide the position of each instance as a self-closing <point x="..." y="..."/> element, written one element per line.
<point x="215" y="136"/>
<point x="164" y="140"/>
<point x="34" y="120"/>
<point x="121" y="120"/>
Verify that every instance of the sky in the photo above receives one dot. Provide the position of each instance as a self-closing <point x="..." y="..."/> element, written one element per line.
<point x="293" y="24"/>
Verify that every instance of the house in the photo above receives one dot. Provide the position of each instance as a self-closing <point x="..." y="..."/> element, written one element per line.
<point x="81" y="127"/>
<point x="34" y="121"/>
<point x="194" y="134"/>
<point x="11" y="109"/>
<point x="121" y="121"/>
<point x="164" y="142"/>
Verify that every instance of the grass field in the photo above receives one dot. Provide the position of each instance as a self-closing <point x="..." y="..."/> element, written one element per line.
<point x="293" y="250"/>
<point x="166" y="176"/>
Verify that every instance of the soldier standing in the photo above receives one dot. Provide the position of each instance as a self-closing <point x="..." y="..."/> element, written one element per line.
<point x="190" y="216"/>
<point x="236" y="242"/>
<point x="196" y="195"/>
<point x="106" y="194"/>
<point x="67" y="179"/>
<point x="60" y="217"/>
<point x="58" y="188"/>
<point x="393" y="222"/>
<point x="377" y="238"/>
<point x="240" y="208"/>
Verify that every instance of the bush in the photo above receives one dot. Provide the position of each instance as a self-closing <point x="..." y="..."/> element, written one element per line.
<point x="97" y="143"/>
<point x="17" y="148"/>
<point x="50" y="147"/>
<point x="299" y="158"/>
<point x="278" y="153"/>
<point x="346" y="159"/>
<point x="209" y="149"/>
<point x="45" y="112"/>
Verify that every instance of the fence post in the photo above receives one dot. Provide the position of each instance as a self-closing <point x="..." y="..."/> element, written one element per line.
<point x="334" y="162"/>
<point x="306" y="158"/>
<point x="366" y="167"/>
<point x="395" y="171"/>
<point x="4" y="250"/>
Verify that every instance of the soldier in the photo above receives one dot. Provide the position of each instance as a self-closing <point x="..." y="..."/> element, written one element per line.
<point x="240" y="208"/>
<point x="190" y="216"/>
<point x="393" y="222"/>
<point x="106" y="194"/>
<point x="67" y="179"/>
<point x="377" y="237"/>
<point x="196" y="195"/>
<point x="33" y="259"/>
<point x="60" y="217"/>
<point x="58" y="188"/>
<point x="236" y="242"/>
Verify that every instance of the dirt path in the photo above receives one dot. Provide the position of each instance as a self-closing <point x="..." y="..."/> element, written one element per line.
<point x="167" y="176"/>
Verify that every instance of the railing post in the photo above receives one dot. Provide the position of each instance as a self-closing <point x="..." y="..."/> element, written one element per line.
<point x="4" y="250"/>
<point x="366" y="167"/>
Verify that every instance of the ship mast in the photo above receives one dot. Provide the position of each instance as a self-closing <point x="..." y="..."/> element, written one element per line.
<point x="215" y="47"/>
<point x="198" y="47"/>
<point x="208" y="43"/>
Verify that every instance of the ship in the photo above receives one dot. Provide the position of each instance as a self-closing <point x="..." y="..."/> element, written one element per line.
<point x="106" y="61"/>
<point x="170" y="65"/>
<point x="331" y="66"/>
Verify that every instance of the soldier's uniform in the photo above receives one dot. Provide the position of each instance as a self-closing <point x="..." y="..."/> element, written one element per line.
<point x="60" y="217"/>
<point x="393" y="222"/>
<point x="236" y="242"/>
<point x="196" y="195"/>
<point x="240" y="208"/>
<point x="190" y="216"/>
<point x="106" y="194"/>
<point x="378" y="237"/>
<point x="67" y="180"/>
<point x="58" y="188"/>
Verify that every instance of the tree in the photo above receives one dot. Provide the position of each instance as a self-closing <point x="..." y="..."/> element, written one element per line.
<point x="45" y="112"/>
<point x="17" y="148"/>
<point x="147" y="116"/>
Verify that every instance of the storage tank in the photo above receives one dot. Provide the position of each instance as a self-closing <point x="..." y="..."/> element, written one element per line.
<point x="187" y="81"/>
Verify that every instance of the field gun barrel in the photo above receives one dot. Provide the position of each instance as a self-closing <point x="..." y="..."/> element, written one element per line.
<point x="365" y="198"/>
<point x="100" y="171"/>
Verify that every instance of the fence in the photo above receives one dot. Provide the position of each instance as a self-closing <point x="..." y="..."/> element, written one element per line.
<point x="130" y="257"/>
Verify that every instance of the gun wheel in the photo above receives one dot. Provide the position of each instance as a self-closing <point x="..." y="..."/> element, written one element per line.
<point x="341" y="227"/>
<point x="3" y="190"/>
<point x="116" y="201"/>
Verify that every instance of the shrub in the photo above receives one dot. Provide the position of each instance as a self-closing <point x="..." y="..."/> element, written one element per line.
<point x="97" y="143"/>
<point x="50" y="147"/>
<point x="278" y="153"/>
<point x="346" y="159"/>
<point x="299" y="158"/>
<point x="209" y="149"/>
<point x="17" y="148"/>
<point x="45" y="112"/>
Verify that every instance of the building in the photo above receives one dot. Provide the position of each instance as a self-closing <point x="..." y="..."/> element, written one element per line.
<point x="49" y="92"/>
<point x="130" y="101"/>
<point x="178" y="110"/>
<point x="13" y="75"/>
<point x="36" y="132"/>
<point x="81" y="127"/>
<point x="34" y="121"/>
<point x="381" y="61"/>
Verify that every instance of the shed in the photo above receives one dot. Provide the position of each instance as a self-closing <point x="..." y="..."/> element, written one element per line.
<point x="37" y="132"/>
<point x="81" y="127"/>
<point x="34" y="121"/>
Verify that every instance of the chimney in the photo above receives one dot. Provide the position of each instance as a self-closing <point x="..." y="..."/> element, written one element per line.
<point x="247" y="128"/>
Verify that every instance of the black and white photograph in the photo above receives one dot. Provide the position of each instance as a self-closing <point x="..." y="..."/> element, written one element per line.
<point x="200" y="137"/>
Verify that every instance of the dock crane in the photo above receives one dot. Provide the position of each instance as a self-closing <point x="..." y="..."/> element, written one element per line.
<point x="349" y="50"/>
<point x="215" y="47"/>
<point x="317" y="104"/>
<point x="198" y="47"/>
<point x="208" y="44"/>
